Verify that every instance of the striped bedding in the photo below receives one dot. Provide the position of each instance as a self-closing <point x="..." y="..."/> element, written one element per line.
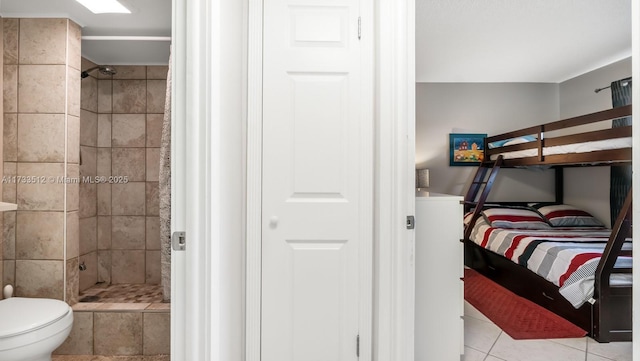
<point x="567" y="257"/>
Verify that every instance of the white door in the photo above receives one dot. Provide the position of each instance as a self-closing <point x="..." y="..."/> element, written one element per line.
<point x="317" y="214"/>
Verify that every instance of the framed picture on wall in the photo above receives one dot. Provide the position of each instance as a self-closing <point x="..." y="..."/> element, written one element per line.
<point x="466" y="149"/>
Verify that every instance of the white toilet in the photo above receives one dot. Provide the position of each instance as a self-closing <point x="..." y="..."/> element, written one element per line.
<point x="32" y="328"/>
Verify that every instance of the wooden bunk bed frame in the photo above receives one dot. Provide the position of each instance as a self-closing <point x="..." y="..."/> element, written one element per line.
<point x="608" y="318"/>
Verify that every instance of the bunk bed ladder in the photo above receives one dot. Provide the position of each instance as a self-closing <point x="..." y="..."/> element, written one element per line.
<point x="481" y="184"/>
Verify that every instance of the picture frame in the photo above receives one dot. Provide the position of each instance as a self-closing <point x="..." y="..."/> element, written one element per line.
<point x="466" y="149"/>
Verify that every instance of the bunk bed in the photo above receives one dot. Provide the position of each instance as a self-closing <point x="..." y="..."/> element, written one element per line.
<point x="502" y="249"/>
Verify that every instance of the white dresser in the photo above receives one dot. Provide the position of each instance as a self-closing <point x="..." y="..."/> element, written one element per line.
<point x="439" y="327"/>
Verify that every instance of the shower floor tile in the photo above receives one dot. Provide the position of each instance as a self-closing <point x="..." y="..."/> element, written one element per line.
<point x="122" y="293"/>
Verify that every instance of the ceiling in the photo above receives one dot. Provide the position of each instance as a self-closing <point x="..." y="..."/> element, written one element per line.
<point x="149" y="19"/>
<point x="456" y="40"/>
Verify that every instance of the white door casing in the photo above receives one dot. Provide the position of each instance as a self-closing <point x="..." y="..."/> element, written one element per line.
<point x="317" y="174"/>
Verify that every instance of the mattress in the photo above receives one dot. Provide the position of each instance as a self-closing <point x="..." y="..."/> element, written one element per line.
<point x="585" y="147"/>
<point x="566" y="257"/>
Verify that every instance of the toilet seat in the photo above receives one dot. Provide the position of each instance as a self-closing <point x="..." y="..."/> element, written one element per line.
<point x="21" y="315"/>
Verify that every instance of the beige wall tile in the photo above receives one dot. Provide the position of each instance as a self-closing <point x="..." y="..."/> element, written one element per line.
<point x="87" y="64"/>
<point x="40" y="235"/>
<point x="73" y="281"/>
<point x="128" y="199"/>
<point x="45" y="193"/>
<point x="131" y="72"/>
<point x="153" y="233"/>
<point x="9" y="187"/>
<point x="89" y="165"/>
<point x="104" y="130"/>
<point x="105" y="96"/>
<point x="10" y="92"/>
<point x="73" y="91"/>
<point x="130" y="96"/>
<point x="73" y="139"/>
<point x="104" y="162"/>
<point x="153" y="164"/>
<point x="89" y="94"/>
<point x="80" y="340"/>
<point x="128" y="130"/>
<point x="157" y="72"/>
<point x="9" y="235"/>
<point x="88" y="235"/>
<point x="89" y="277"/>
<point x="153" y="267"/>
<point x="10" y="138"/>
<point x="43" y="41"/>
<point x="73" y="235"/>
<point x="41" y="137"/>
<point x="128" y="232"/>
<point x="104" y="232"/>
<point x="157" y="333"/>
<point x="104" y="266"/>
<point x="129" y="162"/>
<point x="88" y="200"/>
<point x="9" y="273"/>
<point x="127" y="266"/>
<point x="73" y="187"/>
<point x="156" y="95"/>
<point x="88" y="128"/>
<point x="74" y="41"/>
<point x="41" y="89"/>
<point x="153" y="199"/>
<point x="154" y="130"/>
<point x="10" y="38"/>
<point x="104" y="199"/>
<point x="117" y="333"/>
<point x="39" y="279"/>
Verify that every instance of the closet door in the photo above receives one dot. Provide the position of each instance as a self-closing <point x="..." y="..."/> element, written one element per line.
<point x="317" y="181"/>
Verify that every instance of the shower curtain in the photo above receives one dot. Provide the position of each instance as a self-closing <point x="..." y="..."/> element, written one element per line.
<point x="620" y="175"/>
<point x="165" y="194"/>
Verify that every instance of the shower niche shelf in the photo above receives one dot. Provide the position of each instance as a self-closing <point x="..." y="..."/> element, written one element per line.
<point x="4" y="206"/>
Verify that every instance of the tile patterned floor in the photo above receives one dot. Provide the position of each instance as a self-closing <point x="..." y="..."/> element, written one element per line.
<point x="484" y="341"/>
<point x="122" y="293"/>
<point x="110" y="358"/>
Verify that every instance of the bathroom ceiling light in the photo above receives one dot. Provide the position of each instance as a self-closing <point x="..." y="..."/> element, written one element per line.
<point x="104" y="6"/>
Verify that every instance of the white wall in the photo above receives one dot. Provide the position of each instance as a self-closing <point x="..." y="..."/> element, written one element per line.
<point x="588" y="187"/>
<point x="491" y="108"/>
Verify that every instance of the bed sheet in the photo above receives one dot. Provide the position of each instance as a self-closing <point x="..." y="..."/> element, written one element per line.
<point x="570" y="148"/>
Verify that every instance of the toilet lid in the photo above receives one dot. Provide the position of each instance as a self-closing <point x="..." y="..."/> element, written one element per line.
<point x="19" y="315"/>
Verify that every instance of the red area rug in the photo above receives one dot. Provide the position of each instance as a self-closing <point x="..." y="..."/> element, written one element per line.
<point x="518" y="317"/>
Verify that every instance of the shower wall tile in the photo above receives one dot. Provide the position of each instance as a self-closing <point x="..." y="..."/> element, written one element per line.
<point x="10" y="137"/>
<point x="104" y="130"/>
<point x="73" y="91"/>
<point x="73" y="139"/>
<point x="105" y="96"/>
<point x="104" y="162"/>
<point x="80" y="340"/>
<point x="104" y="266"/>
<point x="10" y="40"/>
<point x="157" y="72"/>
<point x="43" y="41"/>
<point x="9" y="188"/>
<point x="157" y="332"/>
<point x="35" y="98"/>
<point x="88" y="235"/>
<point x="89" y="276"/>
<point x="117" y="333"/>
<point x="154" y="130"/>
<point x="128" y="199"/>
<point x="129" y="162"/>
<point x="41" y="137"/>
<point x="153" y="164"/>
<point x="86" y="64"/>
<point x="45" y="194"/>
<point x="156" y="95"/>
<point x="128" y="130"/>
<point x="153" y="267"/>
<point x="89" y="94"/>
<point x="153" y="233"/>
<point x="104" y="232"/>
<point x="128" y="232"/>
<point x="74" y="40"/>
<point x="130" y="96"/>
<point x="127" y="266"/>
<point x="37" y="278"/>
<point x="88" y="200"/>
<point x="104" y="199"/>
<point x="40" y="235"/>
<point x="9" y="235"/>
<point x="153" y="198"/>
<point x="73" y="187"/>
<point x="131" y="72"/>
<point x="9" y="274"/>
<point x="73" y="235"/>
<point x="89" y="165"/>
<point x="88" y="128"/>
<point x="10" y="88"/>
<point x="73" y="280"/>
